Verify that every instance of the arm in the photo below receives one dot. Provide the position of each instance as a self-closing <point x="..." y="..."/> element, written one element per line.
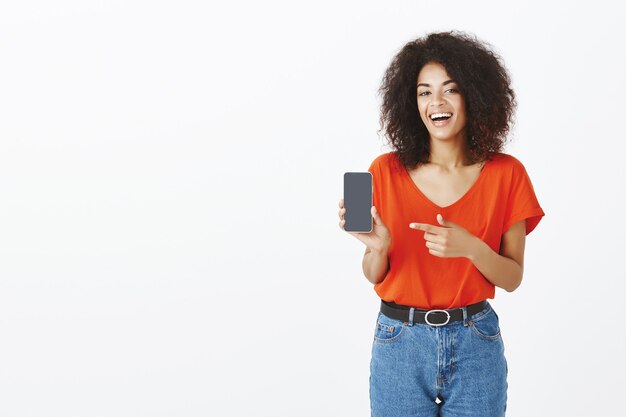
<point x="505" y="269"/>
<point x="375" y="264"/>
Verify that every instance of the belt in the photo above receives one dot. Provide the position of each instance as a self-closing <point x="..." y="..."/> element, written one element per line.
<point x="412" y="315"/>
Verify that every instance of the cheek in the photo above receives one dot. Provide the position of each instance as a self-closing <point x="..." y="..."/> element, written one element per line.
<point x="421" y="108"/>
<point x="460" y="113"/>
<point x="461" y="109"/>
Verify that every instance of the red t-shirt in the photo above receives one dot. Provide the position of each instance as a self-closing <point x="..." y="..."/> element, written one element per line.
<point x="502" y="195"/>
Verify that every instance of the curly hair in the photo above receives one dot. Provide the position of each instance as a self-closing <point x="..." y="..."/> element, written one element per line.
<point x="484" y="84"/>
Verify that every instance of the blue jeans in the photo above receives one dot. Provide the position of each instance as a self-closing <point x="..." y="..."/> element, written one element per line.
<point x="460" y="364"/>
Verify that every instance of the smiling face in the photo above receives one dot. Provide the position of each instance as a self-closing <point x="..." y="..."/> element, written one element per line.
<point x="438" y="97"/>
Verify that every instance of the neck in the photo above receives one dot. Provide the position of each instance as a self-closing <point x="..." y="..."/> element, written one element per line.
<point x="449" y="153"/>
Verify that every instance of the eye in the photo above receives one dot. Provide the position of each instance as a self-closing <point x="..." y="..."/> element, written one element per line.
<point x="452" y="90"/>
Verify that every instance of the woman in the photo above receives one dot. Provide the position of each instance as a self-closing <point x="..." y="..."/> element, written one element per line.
<point x="450" y="216"/>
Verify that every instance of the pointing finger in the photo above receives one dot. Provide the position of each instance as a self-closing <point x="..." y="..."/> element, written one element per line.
<point x="425" y="227"/>
<point x="418" y="226"/>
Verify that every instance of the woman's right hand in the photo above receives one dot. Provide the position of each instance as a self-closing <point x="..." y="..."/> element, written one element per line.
<point x="378" y="239"/>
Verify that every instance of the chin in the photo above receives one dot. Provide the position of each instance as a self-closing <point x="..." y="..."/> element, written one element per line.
<point x="442" y="137"/>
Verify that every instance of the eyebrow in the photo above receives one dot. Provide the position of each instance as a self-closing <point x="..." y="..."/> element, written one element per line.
<point x="444" y="83"/>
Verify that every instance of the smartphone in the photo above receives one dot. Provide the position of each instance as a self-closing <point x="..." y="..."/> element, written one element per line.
<point x="357" y="200"/>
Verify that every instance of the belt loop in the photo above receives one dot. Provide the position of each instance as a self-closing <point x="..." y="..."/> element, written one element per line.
<point x="411" y="316"/>
<point x="464" y="308"/>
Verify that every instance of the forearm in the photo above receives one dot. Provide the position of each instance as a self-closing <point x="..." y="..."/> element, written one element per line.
<point x="375" y="265"/>
<point x="501" y="271"/>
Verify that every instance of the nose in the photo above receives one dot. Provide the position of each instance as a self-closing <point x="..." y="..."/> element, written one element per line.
<point x="437" y="99"/>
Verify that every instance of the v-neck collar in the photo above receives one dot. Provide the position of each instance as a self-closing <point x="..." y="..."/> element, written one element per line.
<point x="465" y="196"/>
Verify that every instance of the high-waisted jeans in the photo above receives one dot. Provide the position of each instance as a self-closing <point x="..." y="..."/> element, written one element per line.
<point x="455" y="370"/>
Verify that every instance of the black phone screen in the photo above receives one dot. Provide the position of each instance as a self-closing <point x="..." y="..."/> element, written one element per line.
<point x="357" y="200"/>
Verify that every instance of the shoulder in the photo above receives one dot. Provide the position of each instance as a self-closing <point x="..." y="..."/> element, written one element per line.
<point x="506" y="162"/>
<point x="384" y="158"/>
<point x="505" y="159"/>
<point x="385" y="161"/>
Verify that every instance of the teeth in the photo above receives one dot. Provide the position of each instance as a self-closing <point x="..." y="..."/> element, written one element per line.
<point x="436" y="115"/>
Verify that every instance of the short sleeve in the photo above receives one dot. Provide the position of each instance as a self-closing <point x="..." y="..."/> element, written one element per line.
<point x="375" y="170"/>
<point x="522" y="202"/>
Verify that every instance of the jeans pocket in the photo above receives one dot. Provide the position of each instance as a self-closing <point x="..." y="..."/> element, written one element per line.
<point x="487" y="325"/>
<point x="387" y="330"/>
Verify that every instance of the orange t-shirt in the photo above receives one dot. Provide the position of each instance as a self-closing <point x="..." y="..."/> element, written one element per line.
<point x="501" y="196"/>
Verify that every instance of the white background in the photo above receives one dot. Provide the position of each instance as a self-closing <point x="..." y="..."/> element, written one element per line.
<point x="169" y="180"/>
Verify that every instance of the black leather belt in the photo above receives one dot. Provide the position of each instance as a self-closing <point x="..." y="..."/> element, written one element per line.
<point x="431" y="317"/>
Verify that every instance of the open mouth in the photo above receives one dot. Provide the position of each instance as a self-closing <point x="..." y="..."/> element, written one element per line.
<point x="438" y="117"/>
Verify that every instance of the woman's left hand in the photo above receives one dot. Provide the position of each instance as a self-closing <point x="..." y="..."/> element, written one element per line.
<point x="450" y="241"/>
